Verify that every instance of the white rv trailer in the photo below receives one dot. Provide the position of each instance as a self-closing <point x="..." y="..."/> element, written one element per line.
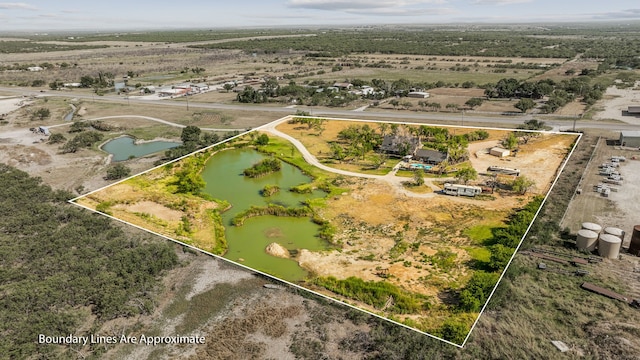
<point x="504" y="170"/>
<point x="464" y="190"/>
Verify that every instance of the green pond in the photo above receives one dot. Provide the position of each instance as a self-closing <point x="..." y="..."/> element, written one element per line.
<point x="224" y="179"/>
<point x="125" y="147"/>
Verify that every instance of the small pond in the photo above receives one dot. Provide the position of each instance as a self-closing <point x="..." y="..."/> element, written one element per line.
<point x="247" y="243"/>
<point x="124" y="148"/>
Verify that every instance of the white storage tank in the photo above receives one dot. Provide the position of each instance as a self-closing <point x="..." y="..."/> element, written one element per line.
<point x="615" y="232"/>
<point x="592" y="226"/>
<point x="609" y="246"/>
<point x="587" y="240"/>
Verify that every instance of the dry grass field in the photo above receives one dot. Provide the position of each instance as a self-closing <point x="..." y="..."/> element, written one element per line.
<point x="377" y="227"/>
<point x="242" y="319"/>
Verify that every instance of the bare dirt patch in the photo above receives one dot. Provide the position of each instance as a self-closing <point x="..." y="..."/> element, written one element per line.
<point x="373" y="239"/>
<point x="574" y="108"/>
<point x="462" y="92"/>
<point x="156" y="209"/>
<point x="615" y="102"/>
<point x="536" y="159"/>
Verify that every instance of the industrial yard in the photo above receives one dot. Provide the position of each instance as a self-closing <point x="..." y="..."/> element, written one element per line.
<point x="603" y="211"/>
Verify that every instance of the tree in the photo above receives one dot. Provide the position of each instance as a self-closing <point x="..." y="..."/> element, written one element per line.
<point x="87" y="81"/>
<point x="451" y="106"/>
<point x="228" y="86"/>
<point x="394" y="103"/>
<point x="525" y="104"/>
<point x="466" y="174"/>
<point x="270" y="87"/>
<point x="78" y="126"/>
<point x="474" y="102"/>
<point x="41" y="114"/>
<point x="453" y="331"/>
<point x="118" y="171"/>
<point x="522" y="184"/>
<point x="533" y="124"/>
<point x="56" y="138"/>
<point x="338" y="152"/>
<point x="55" y="85"/>
<point x="263" y="139"/>
<point x="384" y="127"/>
<point x="418" y="177"/>
<point x="510" y="142"/>
<point x="190" y="137"/>
<point x="189" y="181"/>
<point x="500" y="256"/>
<point x="477" y="291"/>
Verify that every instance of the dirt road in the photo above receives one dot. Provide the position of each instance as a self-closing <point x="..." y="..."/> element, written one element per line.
<point x="390" y="178"/>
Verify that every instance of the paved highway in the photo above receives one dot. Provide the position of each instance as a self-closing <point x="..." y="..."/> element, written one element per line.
<point x="444" y="118"/>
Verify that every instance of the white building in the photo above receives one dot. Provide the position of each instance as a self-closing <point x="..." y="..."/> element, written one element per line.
<point x="418" y="94"/>
<point x="499" y="152"/>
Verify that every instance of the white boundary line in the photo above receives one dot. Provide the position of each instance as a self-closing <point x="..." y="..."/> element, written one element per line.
<point x="72" y="201"/>
<point x="561" y="169"/>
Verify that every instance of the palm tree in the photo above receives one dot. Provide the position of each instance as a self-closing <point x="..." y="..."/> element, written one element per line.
<point x="384" y="127"/>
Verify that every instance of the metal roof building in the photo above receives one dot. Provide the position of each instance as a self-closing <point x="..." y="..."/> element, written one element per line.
<point x="630" y="138"/>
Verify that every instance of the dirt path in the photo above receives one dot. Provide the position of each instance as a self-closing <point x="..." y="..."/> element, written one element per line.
<point x="146" y="118"/>
<point x="389" y="178"/>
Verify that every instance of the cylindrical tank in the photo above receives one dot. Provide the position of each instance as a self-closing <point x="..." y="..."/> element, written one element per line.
<point x="587" y="240"/>
<point x="615" y="232"/>
<point x="592" y="226"/>
<point x="609" y="246"/>
<point x="634" y="247"/>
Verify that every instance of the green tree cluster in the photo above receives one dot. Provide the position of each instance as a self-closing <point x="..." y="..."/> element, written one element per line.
<point x="376" y="294"/>
<point x="41" y="114"/>
<point x="59" y="260"/>
<point x="117" y="171"/>
<point x="476" y="293"/>
<point x="192" y="139"/>
<point x="264" y="167"/>
<point x="357" y="140"/>
<point x="82" y="140"/>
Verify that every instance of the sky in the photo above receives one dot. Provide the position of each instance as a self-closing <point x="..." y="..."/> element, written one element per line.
<point x="51" y="15"/>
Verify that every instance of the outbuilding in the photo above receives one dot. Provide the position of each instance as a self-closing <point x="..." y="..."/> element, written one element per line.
<point x="499" y="152"/>
<point x="633" y="110"/>
<point x="418" y="94"/>
<point x="44" y="130"/>
<point x="630" y="139"/>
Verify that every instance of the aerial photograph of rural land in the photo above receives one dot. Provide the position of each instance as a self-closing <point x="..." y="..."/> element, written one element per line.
<point x="320" y="179"/>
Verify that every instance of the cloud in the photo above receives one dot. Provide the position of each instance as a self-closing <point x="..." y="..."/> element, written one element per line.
<point x="499" y="2"/>
<point x="624" y="14"/>
<point x="17" y="6"/>
<point x="375" y="7"/>
<point x="405" y="12"/>
<point x="357" y="4"/>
